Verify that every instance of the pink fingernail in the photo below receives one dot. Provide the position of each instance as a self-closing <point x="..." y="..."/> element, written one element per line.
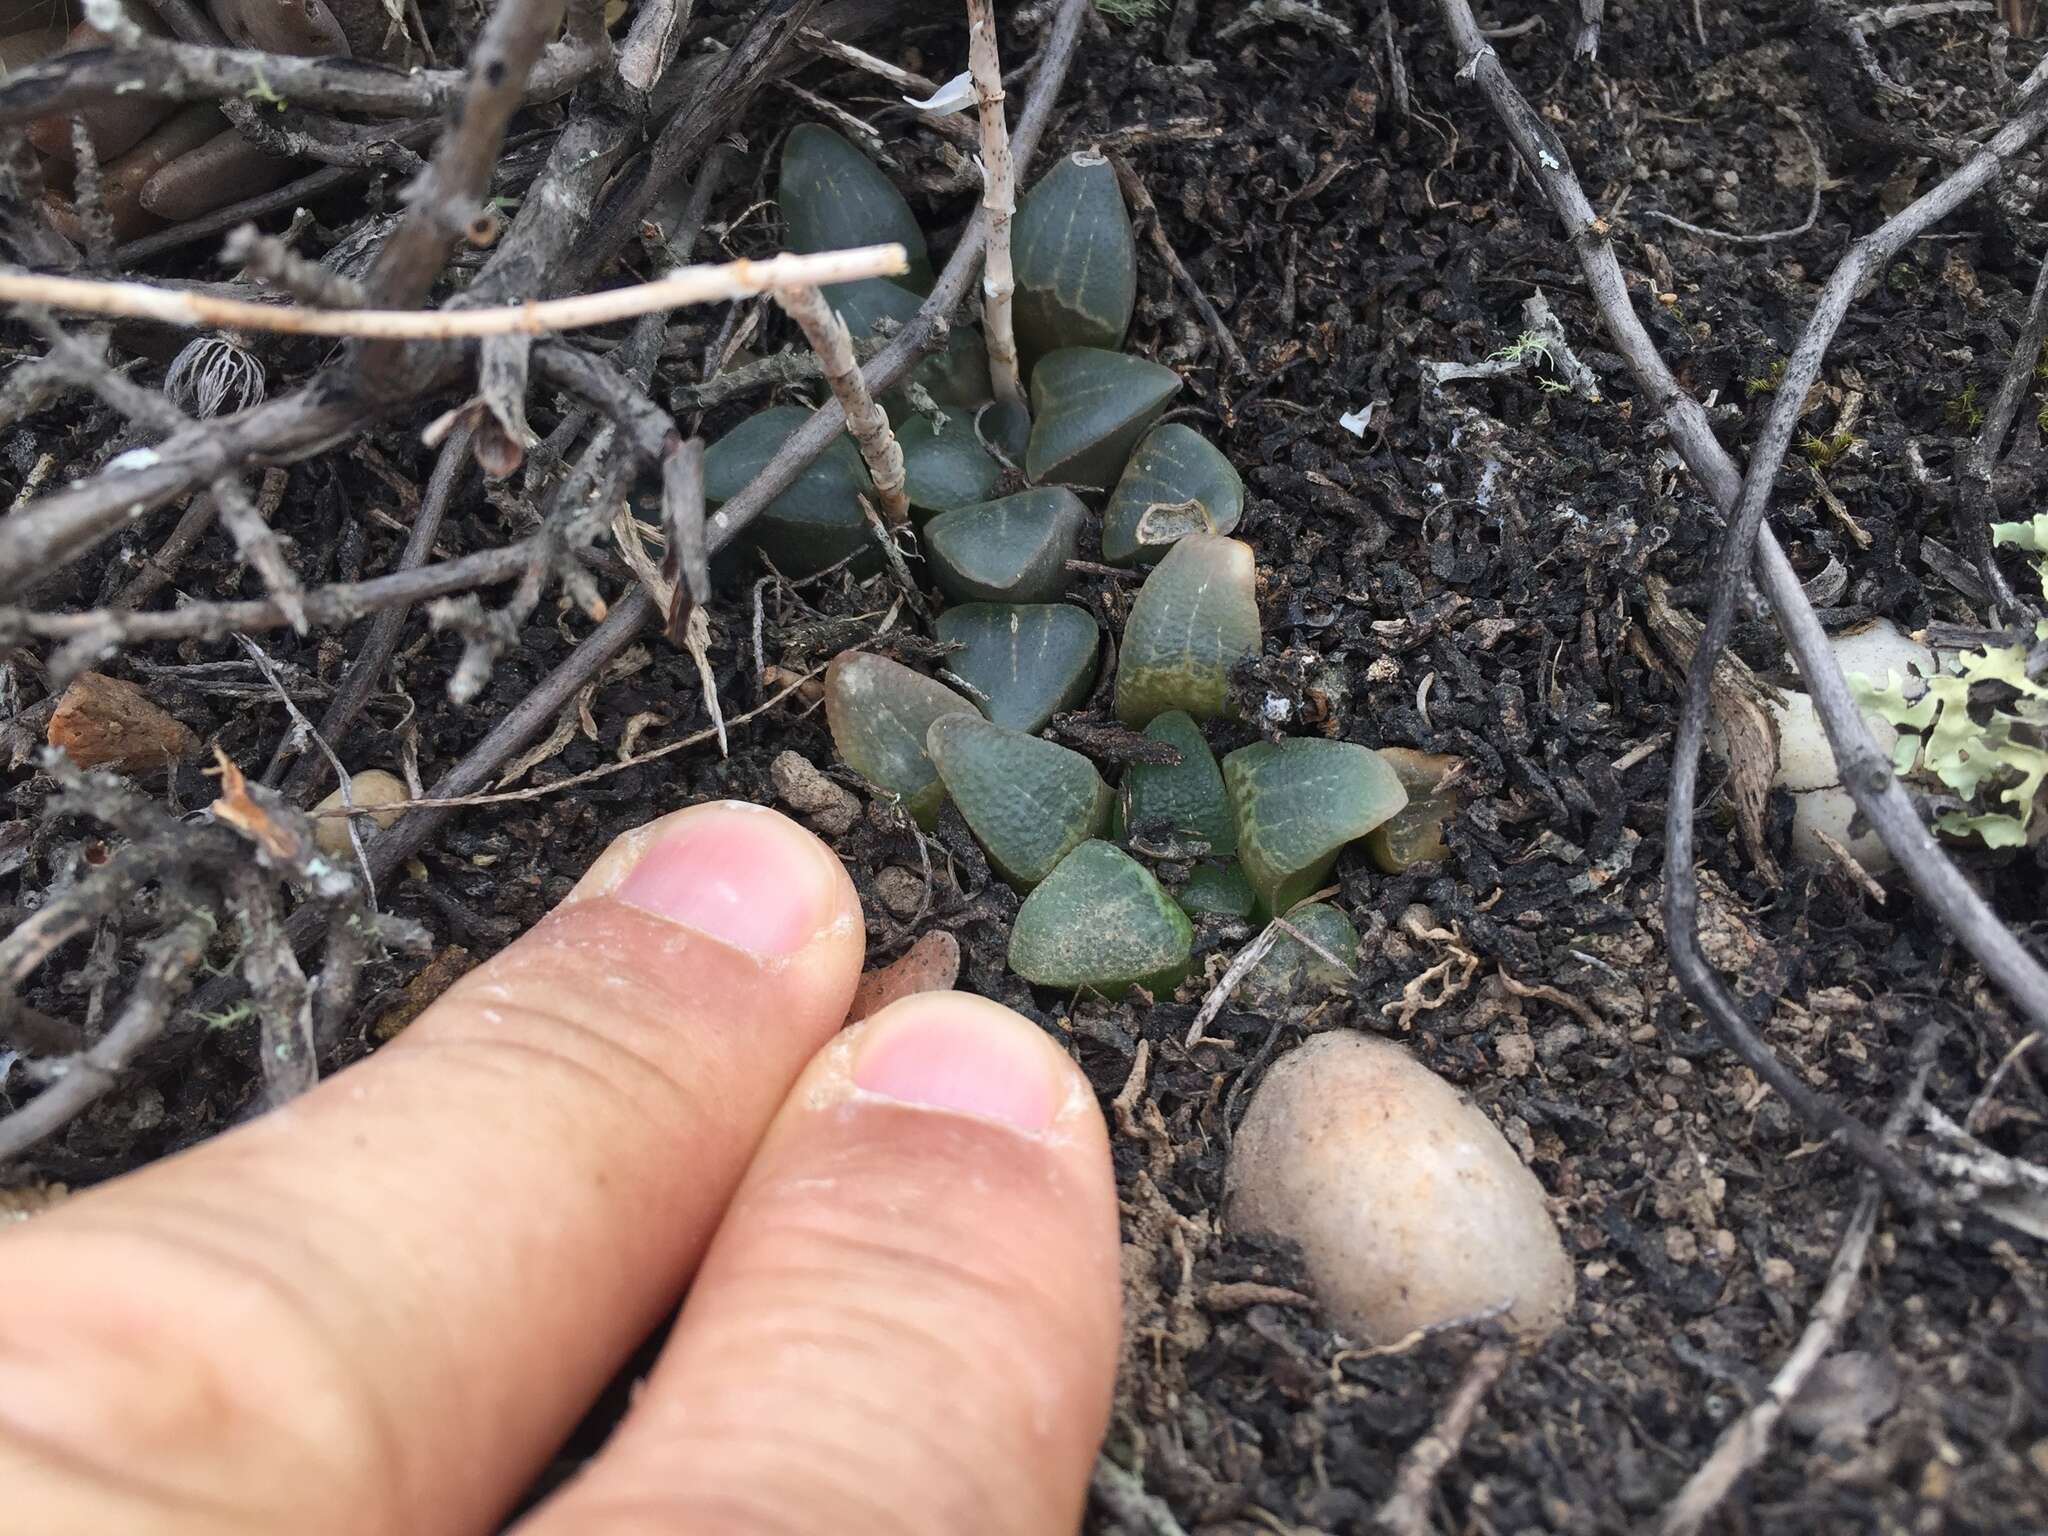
<point x="954" y="1058"/>
<point x="747" y="877"/>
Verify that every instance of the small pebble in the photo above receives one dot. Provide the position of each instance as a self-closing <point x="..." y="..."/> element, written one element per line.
<point x="370" y="788"/>
<point x="900" y="890"/>
<point x="828" y="808"/>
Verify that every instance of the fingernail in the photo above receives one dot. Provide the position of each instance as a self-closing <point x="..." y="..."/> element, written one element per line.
<point x="949" y="1055"/>
<point x="745" y="876"/>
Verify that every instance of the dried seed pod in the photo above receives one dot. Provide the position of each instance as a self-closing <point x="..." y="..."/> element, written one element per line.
<point x="1196" y="617"/>
<point x="1028" y="801"/>
<point x="1298" y="803"/>
<point x="880" y="713"/>
<point x="1088" y="408"/>
<point x="1029" y="661"/>
<point x="1100" y="922"/>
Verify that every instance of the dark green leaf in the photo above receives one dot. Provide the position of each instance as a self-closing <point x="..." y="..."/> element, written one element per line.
<point x="1177" y="483"/>
<point x="944" y="464"/>
<point x="1030" y="661"/>
<point x="1101" y="922"/>
<point x="1027" y="800"/>
<point x="1217" y="889"/>
<point x="1076" y="264"/>
<point x="1298" y="802"/>
<point x="1291" y="972"/>
<point x="880" y="713"/>
<point x="818" y="520"/>
<point x="1088" y="407"/>
<point x="1196" y="617"/>
<point x="1183" y="803"/>
<point x="1014" y="550"/>
<point x="957" y="376"/>
<point x="832" y="196"/>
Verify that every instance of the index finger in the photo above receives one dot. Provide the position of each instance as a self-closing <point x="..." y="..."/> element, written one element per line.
<point x="382" y="1306"/>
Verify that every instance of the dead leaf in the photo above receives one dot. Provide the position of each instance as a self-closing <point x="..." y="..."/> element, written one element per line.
<point x="932" y="964"/>
<point x="105" y="722"/>
<point x="240" y="810"/>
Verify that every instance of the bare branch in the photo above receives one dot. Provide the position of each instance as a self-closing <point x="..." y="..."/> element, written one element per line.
<point x="998" y="204"/>
<point x="865" y="420"/>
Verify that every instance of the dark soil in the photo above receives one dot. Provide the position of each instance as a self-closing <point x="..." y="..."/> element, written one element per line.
<point x="1468" y="577"/>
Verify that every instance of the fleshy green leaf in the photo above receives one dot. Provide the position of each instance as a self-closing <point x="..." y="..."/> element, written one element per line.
<point x="1218" y="889"/>
<point x="1292" y="972"/>
<point x="1196" y="617"/>
<point x="1075" y="260"/>
<point x="1027" y="800"/>
<point x="1177" y="483"/>
<point x="832" y="196"/>
<point x="955" y="377"/>
<point x="1088" y="407"/>
<point x="880" y="713"/>
<point x="818" y="520"/>
<point x="944" y="464"/>
<point x="1415" y="833"/>
<point x="1101" y="922"/>
<point x="1030" y="661"/>
<point x="1298" y="802"/>
<point x="1183" y="803"/>
<point x="1013" y="550"/>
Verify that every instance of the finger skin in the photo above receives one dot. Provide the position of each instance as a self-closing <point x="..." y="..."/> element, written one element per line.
<point x="907" y="1323"/>
<point x="381" y="1307"/>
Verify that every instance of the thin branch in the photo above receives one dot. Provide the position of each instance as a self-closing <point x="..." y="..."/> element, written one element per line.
<point x="1407" y="1510"/>
<point x="865" y="421"/>
<point x="1820" y="176"/>
<point x="1865" y="771"/>
<point x="1973" y="475"/>
<point x="690" y="285"/>
<point x="998" y="204"/>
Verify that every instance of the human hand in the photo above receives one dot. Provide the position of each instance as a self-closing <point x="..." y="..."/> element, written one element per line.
<point x="383" y="1306"/>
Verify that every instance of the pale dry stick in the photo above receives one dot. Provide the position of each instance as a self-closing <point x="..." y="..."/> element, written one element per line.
<point x="1866" y="771"/>
<point x="998" y="203"/>
<point x="1406" y="1511"/>
<point x="866" y="422"/>
<point x="1248" y="957"/>
<point x="1748" y="1439"/>
<point x="1769" y="237"/>
<point x="687" y="285"/>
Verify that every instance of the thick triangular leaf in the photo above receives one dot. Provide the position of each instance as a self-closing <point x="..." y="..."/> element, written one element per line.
<point x="1218" y="890"/>
<point x="1298" y="802"/>
<point x="1177" y="483"/>
<point x="880" y="713"/>
<point x="1027" y="800"/>
<point x="818" y="520"/>
<point x="1415" y="833"/>
<point x="944" y="464"/>
<point x="1029" y="661"/>
<point x="1100" y="922"/>
<point x="958" y="376"/>
<point x="832" y="196"/>
<point x="1196" y="617"/>
<point x="1181" y="803"/>
<point x="1088" y="408"/>
<point x="1013" y="550"/>
<point x="1075" y="260"/>
<point x="1291" y="972"/>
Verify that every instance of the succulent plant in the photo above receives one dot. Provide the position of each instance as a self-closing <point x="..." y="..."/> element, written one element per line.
<point x="944" y="464"/>
<point x="832" y="196"/>
<point x="1177" y="483"/>
<point x="1100" y="922"/>
<point x="957" y="376"/>
<point x="1217" y="888"/>
<point x="1195" y="618"/>
<point x="1298" y="803"/>
<point x="818" y="520"/>
<point x="1088" y="408"/>
<point x="1415" y="833"/>
<point x="1028" y="801"/>
<point x="1028" y="661"/>
<point x="881" y="713"/>
<point x="1183" y="802"/>
<point x="1012" y="550"/>
<point x="1293" y="972"/>
<point x="1076" y="263"/>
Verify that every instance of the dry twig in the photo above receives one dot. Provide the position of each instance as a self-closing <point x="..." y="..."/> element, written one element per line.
<point x="1406" y="1511"/>
<point x="998" y="204"/>
<point x="865" y="421"/>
